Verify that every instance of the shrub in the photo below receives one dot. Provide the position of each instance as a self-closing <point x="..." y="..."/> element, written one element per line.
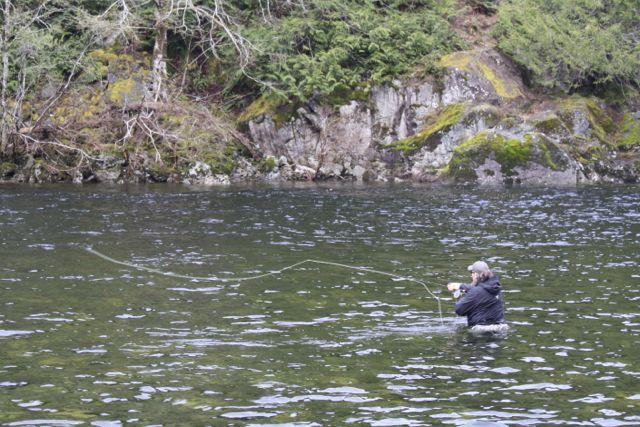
<point x="571" y="44"/>
<point x="337" y="46"/>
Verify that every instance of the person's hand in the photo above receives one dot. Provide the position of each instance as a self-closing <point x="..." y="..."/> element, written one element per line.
<point x="453" y="286"/>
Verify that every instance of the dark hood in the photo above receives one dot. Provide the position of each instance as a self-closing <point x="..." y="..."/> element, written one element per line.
<point x="491" y="285"/>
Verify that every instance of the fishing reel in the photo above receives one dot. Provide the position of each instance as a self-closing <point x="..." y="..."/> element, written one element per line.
<point x="455" y="288"/>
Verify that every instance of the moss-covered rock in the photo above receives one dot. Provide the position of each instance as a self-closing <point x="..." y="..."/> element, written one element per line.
<point x="512" y="155"/>
<point x="125" y="92"/>
<point x="629" y="134"/>
<point x="281" y="111"/>
<point x="586" y="117"/>
<point x="550" y="124"/>
<point x="435" y="126"/>
<point x="490" y="115"/>
<point x="483" y="65"/>
<point x="509" y="153"/>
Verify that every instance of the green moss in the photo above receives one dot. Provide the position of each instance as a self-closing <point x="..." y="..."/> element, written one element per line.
<point x="121" y="90"/>
<point x="7" y="169"/>
<point x="549" y="154"/>
<point x="550" y="125"/>
<point x="281" y="111"/>
<point x="104" y="57"/>
<point x="509" y="153"/>
<point x="601" y="123"/>
<point x="630" y="134"/>
<point x="429" y="136"/>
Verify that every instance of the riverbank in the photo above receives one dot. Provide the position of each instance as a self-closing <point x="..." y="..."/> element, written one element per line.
<point x="450" y="94"/>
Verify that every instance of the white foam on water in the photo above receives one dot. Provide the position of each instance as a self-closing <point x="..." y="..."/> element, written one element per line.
<point x="593" y="398"/>
<point x="89" y="350"/>
<point x="260" y="331"/>
<point x="248" y="415"/>
<point x="12" y="384"/>
<point x="344" y="390"/>
<point x="303" y="424"/>
<point x="10" y="333"/>
<point x="540" y="386"/>
<point x="394" y="422"/>
<point x="44" y="422"/>
<point x="30" y="404"/>
<point x="205" y="289"/>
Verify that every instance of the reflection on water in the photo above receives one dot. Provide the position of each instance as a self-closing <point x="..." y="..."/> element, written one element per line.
<point x="85" y="341"/>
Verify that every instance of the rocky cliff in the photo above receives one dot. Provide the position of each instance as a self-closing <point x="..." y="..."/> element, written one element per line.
<point x="477" y="122"/>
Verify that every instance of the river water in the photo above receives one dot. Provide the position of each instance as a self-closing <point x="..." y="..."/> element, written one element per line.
<point x="86" y="341"/>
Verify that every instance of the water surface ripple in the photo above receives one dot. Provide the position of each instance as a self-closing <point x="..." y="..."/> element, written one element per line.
<point x="87" y="342"/>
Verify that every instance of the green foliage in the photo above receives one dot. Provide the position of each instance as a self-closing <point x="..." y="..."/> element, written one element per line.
<point x="569" y="44"/>
<point x="43" y="45"/>
<point x="267" y="164"/>
<point x="334" y="46"/>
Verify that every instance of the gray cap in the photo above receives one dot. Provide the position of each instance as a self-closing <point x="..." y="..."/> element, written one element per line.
<point x="478" y="267"/>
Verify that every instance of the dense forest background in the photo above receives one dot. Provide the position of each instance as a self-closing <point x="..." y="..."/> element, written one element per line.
<point x="162" y="83"/>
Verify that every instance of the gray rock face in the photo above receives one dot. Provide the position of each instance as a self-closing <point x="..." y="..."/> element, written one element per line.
<point x="359" y="140"/>
<point x="461" y="87"/>
<point x="346" y="141"/>
<point x="427" y="162"/>
<point x="398" y="110"/>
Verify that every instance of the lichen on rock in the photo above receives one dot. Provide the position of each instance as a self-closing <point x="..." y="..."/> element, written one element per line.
<point x="489" y="66"/>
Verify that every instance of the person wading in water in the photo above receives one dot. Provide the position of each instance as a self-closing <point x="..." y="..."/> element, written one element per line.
<point x="482" y="301"/>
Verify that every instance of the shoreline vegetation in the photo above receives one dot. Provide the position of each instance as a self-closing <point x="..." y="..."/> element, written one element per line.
<point x="516" y="92"/>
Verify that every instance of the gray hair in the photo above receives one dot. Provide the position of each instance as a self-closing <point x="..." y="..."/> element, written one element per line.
<point x="484" y="276"/>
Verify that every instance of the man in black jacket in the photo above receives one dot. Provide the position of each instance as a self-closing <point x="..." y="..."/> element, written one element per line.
<point x="482" y="301"/>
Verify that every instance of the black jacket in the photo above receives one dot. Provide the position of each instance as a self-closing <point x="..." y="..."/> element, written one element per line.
<point x="482" y="304"/>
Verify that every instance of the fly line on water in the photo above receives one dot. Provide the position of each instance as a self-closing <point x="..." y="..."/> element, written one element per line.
<point x="270" y="273"/>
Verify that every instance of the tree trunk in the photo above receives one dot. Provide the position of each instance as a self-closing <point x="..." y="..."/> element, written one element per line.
<point x="4" y="49"/>
<point x="160" y="53"/>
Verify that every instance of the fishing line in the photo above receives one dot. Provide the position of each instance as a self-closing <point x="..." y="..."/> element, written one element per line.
<point x="271" y="273"/>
